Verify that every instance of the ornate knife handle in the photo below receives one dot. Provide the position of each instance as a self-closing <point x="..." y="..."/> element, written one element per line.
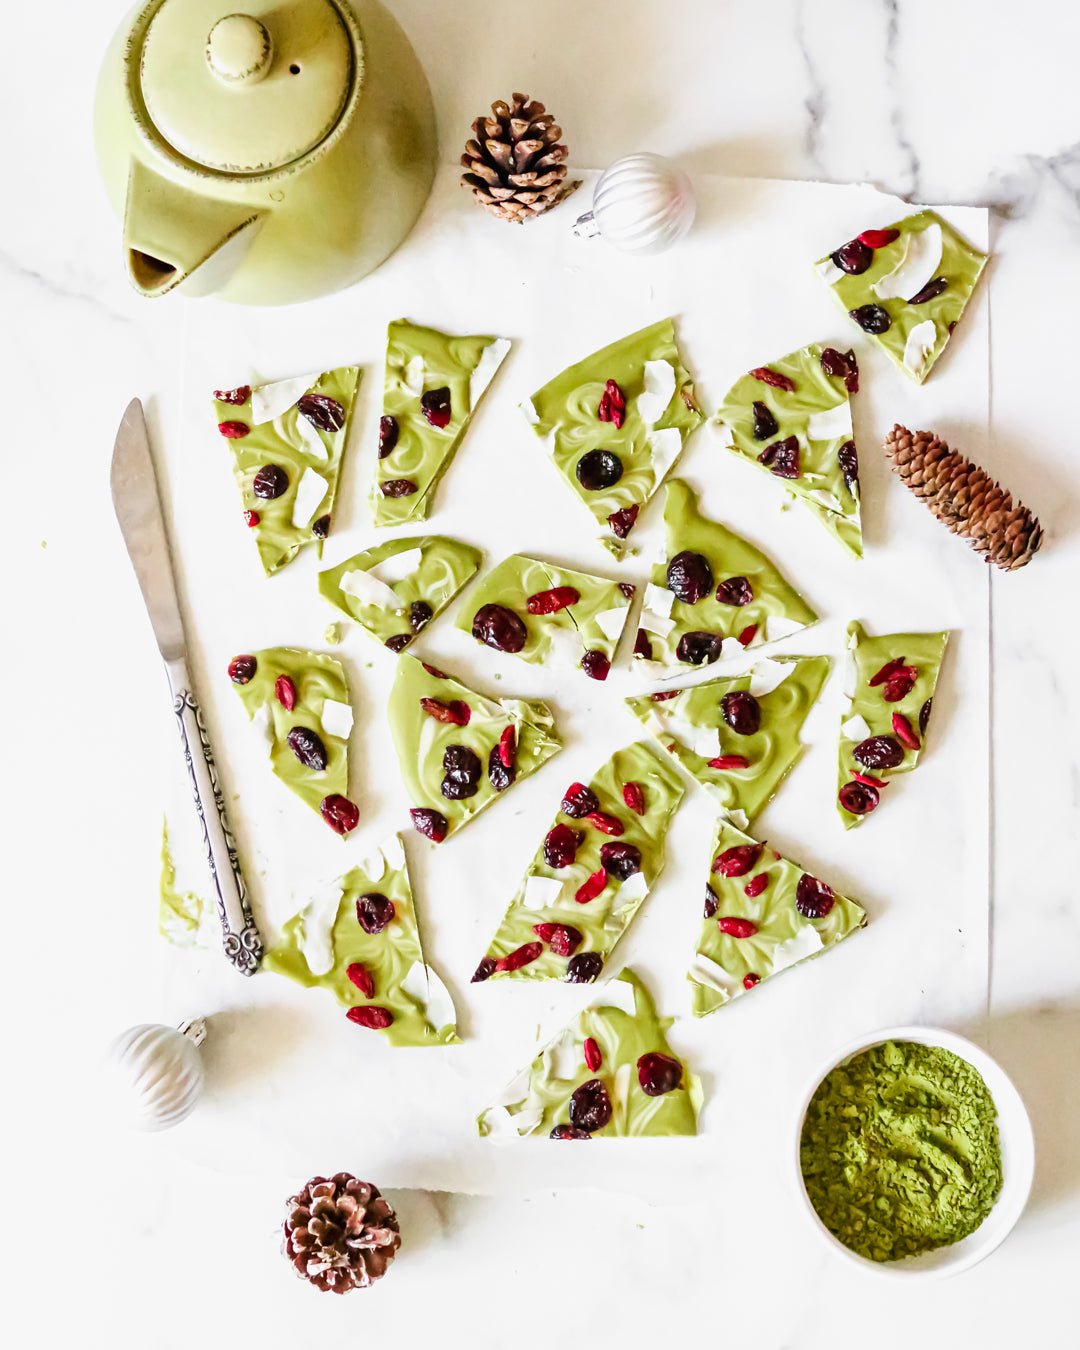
<point x="243" y="945"/>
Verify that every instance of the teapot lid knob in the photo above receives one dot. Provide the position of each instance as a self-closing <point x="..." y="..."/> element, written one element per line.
<point x="239" y="50"/>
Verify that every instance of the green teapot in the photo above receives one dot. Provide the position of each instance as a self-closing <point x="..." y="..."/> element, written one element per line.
<point x="265" y="157"/>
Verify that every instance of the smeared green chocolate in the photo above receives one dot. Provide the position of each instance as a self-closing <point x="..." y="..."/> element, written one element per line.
<point x="604" y="919"/>
<point x="318" y="946"/>
<point x="725" y="966"/>
<point x="691" y="727"/>
<point x="180" y="913"/>
<point x="538" y="1099"/>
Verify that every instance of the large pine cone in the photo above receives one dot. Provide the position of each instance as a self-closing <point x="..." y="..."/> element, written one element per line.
<point x="964" y="498"/>
<point x="514" y="165"/>
<point x="340" y="1233"/>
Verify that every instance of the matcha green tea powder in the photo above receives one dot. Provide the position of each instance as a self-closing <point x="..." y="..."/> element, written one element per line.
<point x="900" y="1150"/>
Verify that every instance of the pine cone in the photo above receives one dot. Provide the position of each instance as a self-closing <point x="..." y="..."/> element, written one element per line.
<point x="965" y="499"/>
<point x="515" y="166"/>
<point x="340" y="1233"/>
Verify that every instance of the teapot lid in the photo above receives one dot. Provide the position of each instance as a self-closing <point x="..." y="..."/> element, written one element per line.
<point x="250" y="92"/>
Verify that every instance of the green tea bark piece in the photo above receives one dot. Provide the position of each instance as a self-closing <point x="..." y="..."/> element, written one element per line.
<point x="591" y="874"/>
<point x="358" y="939"/>
<point x="287" y="440"/>
<point x="609" y="1073"/>
<point x="762" y="915"/>
<point x="713" y="588"/>
<point x="434" y="382"/>
<point x="793" y="419"/>
<point x="616" y="422"/>
<point x="395" y="589"/>
<point x="299" y="701"/>
<point x="738" y="737"/>
<point x="458" y="750"/>
<point x="890" y="688"/>
<point x="906" y="285"/>
<point x="541" y="612"/>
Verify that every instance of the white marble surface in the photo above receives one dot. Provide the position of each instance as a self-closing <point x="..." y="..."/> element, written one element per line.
<point x="941" y="101"/>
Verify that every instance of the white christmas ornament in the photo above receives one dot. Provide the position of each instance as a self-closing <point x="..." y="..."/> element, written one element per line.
<point x="642" y="204"/>
<point x="156" y="1073"/>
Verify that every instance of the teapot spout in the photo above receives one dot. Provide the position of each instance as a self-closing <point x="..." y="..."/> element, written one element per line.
<point x="173" y="236"/>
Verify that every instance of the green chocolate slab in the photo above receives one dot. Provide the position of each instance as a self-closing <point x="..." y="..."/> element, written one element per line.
<point x="622" y="1022"/>
<point x="395" y="600"/>
<point x="725" y="966"/>
<point x="869" y="713"/>
<point x="317" y="679"/>
<point x="564" y="415"/>
<point x="927" y="249"/>
<point x="690" y="726"/>
<point x="319" y="945"/>
<point x="421" y="740"/>
<point x="593" y="623"/>
<point x="419" y="361"/>
<point x="774" y="610"/>
<point x="818" y="414"/>
<point x="279" y="433"/>
<point x="547" y="894"/>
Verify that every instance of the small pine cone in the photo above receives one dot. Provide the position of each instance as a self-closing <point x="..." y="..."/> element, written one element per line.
<point x="514" y="164"/>
<point x="964" y="498"/>
<point x="339" y="1233"/>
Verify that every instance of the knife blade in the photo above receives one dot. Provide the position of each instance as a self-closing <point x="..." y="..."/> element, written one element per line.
<point x="137" y="503"/>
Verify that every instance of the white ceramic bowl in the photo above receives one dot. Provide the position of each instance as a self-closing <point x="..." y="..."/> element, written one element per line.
<point x="1017" y="1160"/>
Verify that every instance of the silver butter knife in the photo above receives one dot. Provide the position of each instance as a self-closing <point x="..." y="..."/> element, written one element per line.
<point x="138" y="509"/>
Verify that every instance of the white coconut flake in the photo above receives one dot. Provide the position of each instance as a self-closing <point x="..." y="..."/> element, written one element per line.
<point x="271" y="400"/>
<point x="659" y="390"/>
<point x="919" y="264"/>
<point x="562" y="1057"/>
<point x="633" y="889"/>
<point x="778" y="626"/>
<point x="826" y="499"/>
<point x="616" y="993"/>
<point x="665" y="447"/>
<point x="856" y="728"/>
<point x="317" y="919"/>
<point x="731" y="649"/>
<point x="527" y="1119"/>
<point x="499" y="1123"/>
<point x="806" y="942"/>
<point x="739" y="819"/>
<point x="422" y="984"/>
<point x="612" y="621"/>
<point x="491" y="358"/>
<point x="655" y="623"/>
<point x="658" y="599"/>
<point x="337" y="718"/>
<point x="369" y="590"/>
<point x="769" y="675"/>
<point x="313" y="443"/>
<point x="528" y="411"/>
<point x="397" y="567"/>
<point x="517" y="1089"/>
<point x="412" y="376"/>
<point x="310" y="492"/>
<point x="565" y="647"/>
<point x="828" y="270"/>
<point x="920" y="343"/>
<point x="541" y="892"/>
<point x="705" y="971"/>
<point x="830" y="424"/>
<point x="263" y="721"/>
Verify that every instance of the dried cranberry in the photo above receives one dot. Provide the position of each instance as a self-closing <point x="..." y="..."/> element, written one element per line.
<point x="741" y="711"/>
<point x="899" y="684"/>
<point x="233" y="431"/>
<point x="879" y="752"/>
<point x="499" y="627"/>
<point x="841" y="366"/>
<point x="748" y="981"/>
<point x="251" y="519"/>
<point x="560" y="846"/>
<point x="321" y="528"/>
<point x="593" y="1058"/>
<point x="596" y="665"/>
<point x="642" y="645"/>
<point x="878" y="238"/>
<point x="853" y="257"/>
<point x="598" y="469"/>
<point x="765" y="424"/>
<point x="553" y="600"/>
<point x="737" y="928"/>
<point x="321" y="411"/>
<point x="434" y="671"/>
<point x="930" y="291"/>
<point x="612" y="405"/>
<point x="420" y="615"/>
<point x="737" y="861"/>
<point x="606" y="824"/>
<point x="748" y="634"/>
<point x="484" y="970"/>
<point x="756" y="885"/>
<point x="858" y="798"/>
<point x="432" y="825"/>
<point x="435" y="405"/>
<point x="285" y="692"/>
<point x="904" y="731"/>
<point x="507" y="747"/>
<point x="924" y="715"/>
<point x="270" y="482"/>
<point x="813" y="899"/>
<point x="633" y="794"/>
<point x="734" y="591"/>
<point x="689" y="577"/>
<point x="584" y="968"/>
<point x="397" y="487"/>
<point x="388" y="435"/>
<point x="398" y="642"/>
<point x="455" y="713"/>
<point x="375" y="1019"/>
<point x="590" y="1106"/>
<point x="726" y="763"/>
<point x="242" y="669"/>
<point x="620" y="860"/>
<point x="563" y="938"/>
<point x="308" y="748"/>
<point x="711" y="901"/>
<point x="774" y="379"/>
<point x="568" y="1132"/>
<point x="627" y="589"/>
<point x="870" y="782"/>
<point x="374" y="912"/>
<point x="848" y="459"/>
<point x="872" y="318"/>
<point x="579" y="800"/>
<point x="520" y="956"/>
<point x="339" y="813"/>
<point x="658" y="1074"/>
<point x="782" y="458"/>
<point x="699" y="648"/>
<point x="461" y="773"/>
<point x="359" y="974"/>
<point x="622" y="521"/>
<point x="591" y="887"/>
<point x="500" y="775"/>
<point x="236" y="396"/>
